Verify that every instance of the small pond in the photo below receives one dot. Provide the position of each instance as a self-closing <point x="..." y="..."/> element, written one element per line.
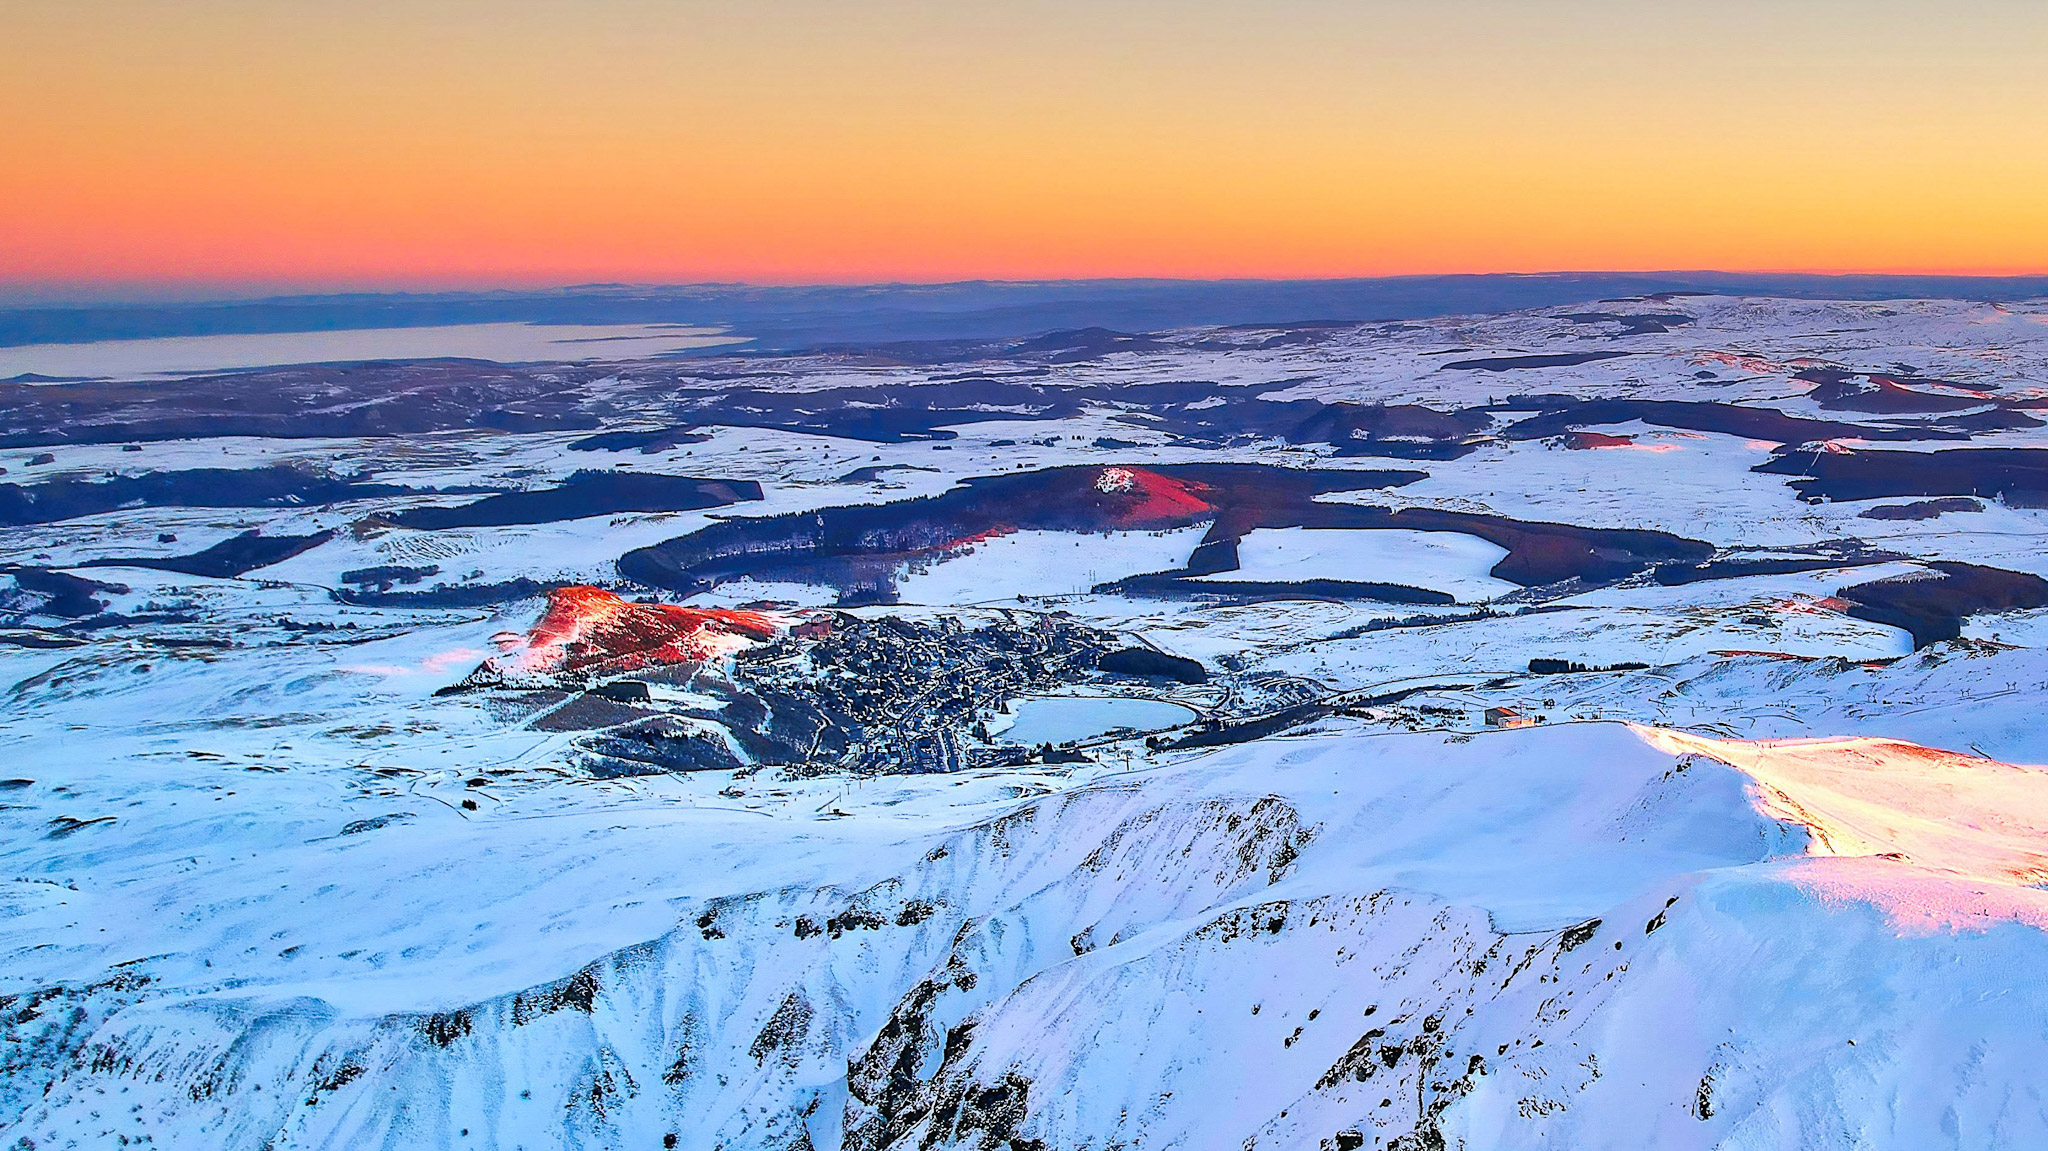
<point x="1061" y="718"/>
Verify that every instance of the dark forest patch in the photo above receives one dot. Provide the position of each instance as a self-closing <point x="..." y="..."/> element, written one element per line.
<point x="61" y="593"/>
<point x="383" y="576"/>
<point x="277" y="486"/>
<point x="1922" y="509"/>
<point x="1523" y="363"/>
<point x="450" y="595"/>
<point x="1633" y="324"/>
<point x="1544" y="666"/>
<point x="1398" y="431"/>
<point x="647" y="443"/>
<point x="227" y="559"/>
<point x="1076" y="345"/>
<point x="1881" y="395"/>
<point x="1145" y="663"/>
<point x="586" y="493"/>
<point x="1710" y="416"/>
<point x="1676" y="575"/>
<point x="2016" y="476"/>
<point x="873" y="475"/>
<point x="1932" y="607"/>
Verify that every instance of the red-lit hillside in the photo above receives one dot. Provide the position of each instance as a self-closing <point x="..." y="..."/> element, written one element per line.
<point x="1139" y="499"/>
<point x="590" y="631"/>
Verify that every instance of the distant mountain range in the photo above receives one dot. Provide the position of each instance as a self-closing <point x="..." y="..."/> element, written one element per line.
<point x="781" y="319"/>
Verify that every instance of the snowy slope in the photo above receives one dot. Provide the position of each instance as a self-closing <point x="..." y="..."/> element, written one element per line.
<point x="1520" y="939"/>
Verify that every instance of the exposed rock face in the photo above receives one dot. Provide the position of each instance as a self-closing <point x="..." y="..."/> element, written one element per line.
<point x="1096" y="968"/>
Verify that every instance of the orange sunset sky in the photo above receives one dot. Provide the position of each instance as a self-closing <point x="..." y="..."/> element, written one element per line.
<point x="310" y="143"/>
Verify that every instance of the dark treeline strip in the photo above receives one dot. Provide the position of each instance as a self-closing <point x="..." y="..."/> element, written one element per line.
<point x="586" y="493"/>
<point x="1922" y="509"/>
<point x="1933" y="609"/>
<point x="1524" y="363"/>
<point x="1543" y="666"/>
<point x="450" y="595"/>
<point x="228" y="559"/>
<point x="1728" y="419"/>
<point x="1676" y="575"/>
<point x="277" y="486"/>
<point x="2018" y="476"/>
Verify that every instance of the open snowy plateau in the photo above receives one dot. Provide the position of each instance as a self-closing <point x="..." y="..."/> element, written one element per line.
<point x="611" y="754"/>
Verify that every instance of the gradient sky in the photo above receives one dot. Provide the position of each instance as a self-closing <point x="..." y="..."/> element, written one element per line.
<point x="366" y="143"/>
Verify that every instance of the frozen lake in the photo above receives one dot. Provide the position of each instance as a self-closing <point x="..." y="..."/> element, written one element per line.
<point x="1060" y="718"/>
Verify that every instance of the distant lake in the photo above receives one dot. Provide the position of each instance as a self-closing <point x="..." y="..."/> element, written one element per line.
<point x="504" y="343"/>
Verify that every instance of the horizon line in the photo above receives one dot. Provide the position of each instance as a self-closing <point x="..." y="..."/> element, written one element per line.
<point x="26" y="295"/>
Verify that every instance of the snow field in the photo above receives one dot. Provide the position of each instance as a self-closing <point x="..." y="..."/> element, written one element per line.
<point x="1448" y="562"/>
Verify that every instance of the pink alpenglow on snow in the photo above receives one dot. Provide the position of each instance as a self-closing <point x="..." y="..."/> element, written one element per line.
<point x="1939" y="840"/>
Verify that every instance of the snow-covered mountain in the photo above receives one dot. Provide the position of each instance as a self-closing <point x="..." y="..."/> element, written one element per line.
<point x="1602" y="726"/>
